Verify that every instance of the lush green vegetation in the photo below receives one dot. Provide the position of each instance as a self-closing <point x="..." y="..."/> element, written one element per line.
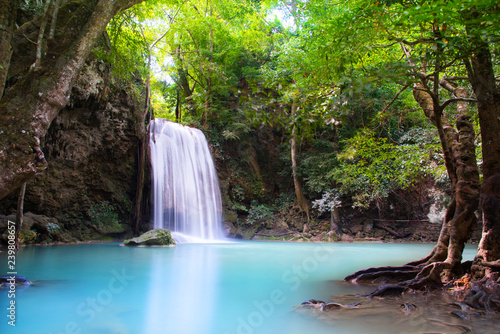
<point x="335" y="79"/>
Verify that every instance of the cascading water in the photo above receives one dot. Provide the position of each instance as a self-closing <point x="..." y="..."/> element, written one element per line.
<point x="186" y="194"/>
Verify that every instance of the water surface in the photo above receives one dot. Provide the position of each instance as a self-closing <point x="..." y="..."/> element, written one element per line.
<point x="240" y="287"/>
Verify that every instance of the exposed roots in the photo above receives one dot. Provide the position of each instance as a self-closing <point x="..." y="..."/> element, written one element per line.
<point x="394" y="273"/>
<point x="481" y="295"/>
<point x="484" y="297"/>
<point x="404" y="278"/>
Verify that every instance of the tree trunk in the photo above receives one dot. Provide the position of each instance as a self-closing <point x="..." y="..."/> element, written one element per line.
<point x="28" y="108"/>
<point x="482" y="78"/>
<point x="183" y="83"/>
<point x="178" y="105"/>
<point x="459" y="150"/>
<point x="335" y="221"/>
<point x="8" y="13"/>
<point x="20" y="210"/>
<point x="460" y="159"/>
<point x="488" y="253"/>
<point x="208" y="97"/>
<point x="40" y="42"/>
<point x="141" y="159"/>
<point x="141" y="167"/>
<point x="299" y="193"/>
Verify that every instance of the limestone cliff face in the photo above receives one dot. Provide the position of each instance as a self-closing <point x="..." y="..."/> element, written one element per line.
<point x="91" y="149"/>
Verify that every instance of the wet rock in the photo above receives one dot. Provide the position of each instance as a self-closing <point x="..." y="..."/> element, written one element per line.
<point x="387" y="291"/>
<point x="6" y="281"/>
<point x="158" y="237"/>
<point x="461" y="315"/>
<point x="332" y="307"/>
<point x="408" y="308"/>
<point x="315" y="301"/>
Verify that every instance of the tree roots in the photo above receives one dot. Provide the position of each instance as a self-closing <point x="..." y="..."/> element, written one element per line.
<point x="427" y="277"/>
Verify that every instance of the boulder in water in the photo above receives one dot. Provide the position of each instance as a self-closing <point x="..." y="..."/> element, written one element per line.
<point x="6" y="281"/>
<point x="158" y="237"/>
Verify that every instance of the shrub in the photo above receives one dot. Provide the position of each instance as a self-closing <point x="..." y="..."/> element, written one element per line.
<point x="103" y="215"/>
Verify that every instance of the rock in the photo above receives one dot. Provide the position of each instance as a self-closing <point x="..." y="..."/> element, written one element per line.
<point x="461" y="315"/>
<point x="91" y="149"/>
<point x="408" y="308"/>
<point x="158" y="237"/>
<point x="305" y="229"/>
<point x="333" y="236"/>
<point x="347" y="238"/>
<point x="5" y="281"/>
<point x="315" y="301"/>
<point x="35" y="229"/>
<point x="281" y="223"/>
<point x="356" y="228"/>
<point x="331" y="307"/>
<point x="368" y="226"/>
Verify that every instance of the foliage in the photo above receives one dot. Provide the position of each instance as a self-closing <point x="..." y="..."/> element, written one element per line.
<point x="127" y="49"/>
<point x="238" y="207"/>
<point x="103" y="215"/>
<point x="372" y="167"/>
<point x="284" y="201"/>
<point x="316" y="164"/>
<point x="231" y="69"/>
<point x="53" y="228"/>
<point x="34" y="7"/>
<point x="329" y="201"/>
<point x="259" y="213"/>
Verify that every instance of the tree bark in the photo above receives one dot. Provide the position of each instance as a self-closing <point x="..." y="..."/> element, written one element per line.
<point x="489" y="247"/>
<point x="28" y="108"/>
<point x="460" y="159"/>
<point x="299" y="193"/>
<point x="8" y="13"/>
<point x="481" y="75"/>
<point x="40" y="42"/>
<point x="335" y="221"/>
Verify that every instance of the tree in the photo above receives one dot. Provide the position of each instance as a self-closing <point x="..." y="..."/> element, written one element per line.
<point x="436" y="48"/>
<point x="210" y="48"/>
<point x="31" y="103"/>
<point x="8" y="13"/>
<point x="482" y="24"/>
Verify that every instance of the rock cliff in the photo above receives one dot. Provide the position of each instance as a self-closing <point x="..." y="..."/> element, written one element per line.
<point x="91" y="148"/>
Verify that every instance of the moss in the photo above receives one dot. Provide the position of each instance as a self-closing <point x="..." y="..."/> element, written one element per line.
<point x="158" y="237"/>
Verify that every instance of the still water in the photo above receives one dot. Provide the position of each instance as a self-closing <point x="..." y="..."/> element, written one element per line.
<point x="225" y="288"/>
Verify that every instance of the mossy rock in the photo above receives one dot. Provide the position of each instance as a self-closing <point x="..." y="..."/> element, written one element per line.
<point x="158" y="237"/>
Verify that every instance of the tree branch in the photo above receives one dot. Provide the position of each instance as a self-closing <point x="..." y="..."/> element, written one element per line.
<point x="395" y="98"/>
<point x="457" y="99"/>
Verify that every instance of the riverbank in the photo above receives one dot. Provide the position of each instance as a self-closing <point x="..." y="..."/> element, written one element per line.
<point x="286" y="225"/>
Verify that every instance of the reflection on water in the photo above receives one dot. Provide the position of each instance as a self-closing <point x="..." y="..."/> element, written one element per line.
<point x="229" y="288"/>
<point x="186" y="299"/>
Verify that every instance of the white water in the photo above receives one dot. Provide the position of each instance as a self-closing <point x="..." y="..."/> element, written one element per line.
<point x="186" y="194"/>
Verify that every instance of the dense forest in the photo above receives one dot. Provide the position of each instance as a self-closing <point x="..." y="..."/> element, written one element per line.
<point x="317" y="112"/>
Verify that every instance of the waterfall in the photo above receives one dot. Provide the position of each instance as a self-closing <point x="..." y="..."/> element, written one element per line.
<point x="186" y="194"/>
